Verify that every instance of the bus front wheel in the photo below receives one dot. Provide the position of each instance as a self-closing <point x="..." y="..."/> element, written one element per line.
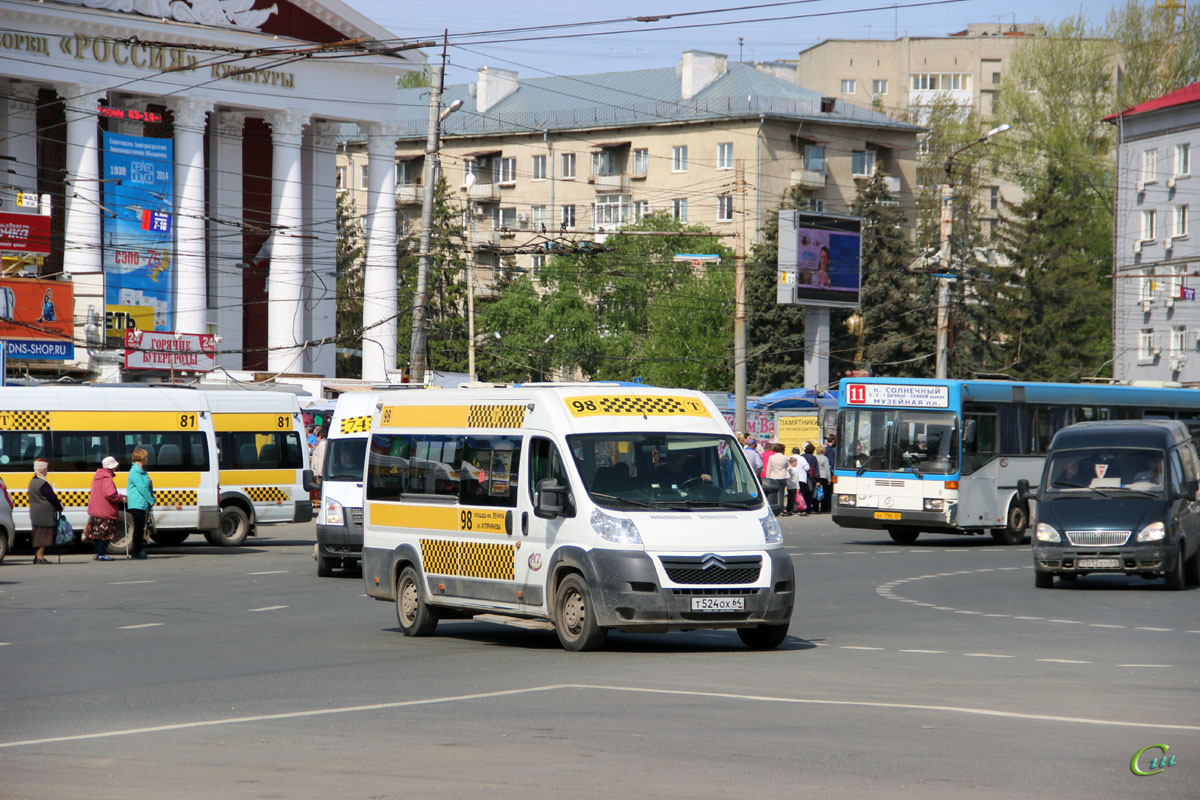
<point x="1016" y="521"/>
<point x="903" y="535"/>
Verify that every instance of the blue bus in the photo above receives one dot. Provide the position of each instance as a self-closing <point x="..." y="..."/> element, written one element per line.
<point x="936" y="456"/>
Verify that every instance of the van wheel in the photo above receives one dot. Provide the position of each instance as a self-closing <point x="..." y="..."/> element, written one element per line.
<point x="1175" y="576"/>
<point x="900" y="536"/>
<point x="169" y="538"/>
<point x="1191" y="570"/>
<point x="415" y="617"/>
<point x="1015" y="523"/>
<point x="211" y="538"/>
<point x="574" y="619"/>
<point x="1043" y="580"/>
<point x="235" y="527"/>
<point x="3" y="544"/>
<point x="325" y="566"/>
<point x="763" y="637"/>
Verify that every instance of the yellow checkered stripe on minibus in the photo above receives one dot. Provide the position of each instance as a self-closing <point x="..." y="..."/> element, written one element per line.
<point x="476" y="415"/>
<point x="24" y="420"/>
<point x="175" y="497"/>
<point x="68" y="499"/>
<point x="495" y="416"/>
<point x="267" y="494"/>
<point x="635" y="405"/>
<point x="468" y="559"/>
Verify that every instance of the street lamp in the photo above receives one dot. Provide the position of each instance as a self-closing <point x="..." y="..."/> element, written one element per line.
<point x="545" y="342"/>
<point x="500" y="339"/>
<point x="947" y="226"/>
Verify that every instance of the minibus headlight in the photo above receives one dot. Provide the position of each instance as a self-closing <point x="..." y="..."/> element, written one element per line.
<point x="333" y="512"/>
<point x="1154" y="532"/>
<point x="1046" y="533"/>
<point x="615" y="529"/>
<point x="772" y="533"/>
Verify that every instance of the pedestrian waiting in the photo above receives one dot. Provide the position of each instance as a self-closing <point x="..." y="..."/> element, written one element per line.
<point x="44" y="510"/>
<point x="104" y="502"/>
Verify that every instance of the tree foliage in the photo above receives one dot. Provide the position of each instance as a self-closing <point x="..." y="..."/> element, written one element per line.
<point x="349" y="288"/>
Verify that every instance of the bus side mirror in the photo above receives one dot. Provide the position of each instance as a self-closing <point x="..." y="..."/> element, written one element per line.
<point x="1023" y="490"/>
<point x="550" y="499"/>
<point x="969" y="432"/>
<point x="311" y="483"/>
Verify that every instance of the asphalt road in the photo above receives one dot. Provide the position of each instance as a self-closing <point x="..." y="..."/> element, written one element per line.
<point x="929" y="671"/>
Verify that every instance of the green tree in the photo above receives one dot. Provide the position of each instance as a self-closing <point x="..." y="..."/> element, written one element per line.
<point x="349" y="288"/>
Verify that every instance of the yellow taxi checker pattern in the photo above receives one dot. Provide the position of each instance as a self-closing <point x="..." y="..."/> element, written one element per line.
<point x="175" y="497"/>
<point x="495" y="416"/>
<point x="468" y="559"/>
<point x="72" y="499"/>
<point x="635" y="405"/>
<point x="355" y="425"/>
<point x="267" y="494"/>
<point x="25" y="420"/>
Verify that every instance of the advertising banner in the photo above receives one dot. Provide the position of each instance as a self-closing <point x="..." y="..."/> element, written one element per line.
<point x="820" y="256"/>
<point x="189" y="352"/>
<point x="139" y="184"/>
<point x="36" y="318"/>
<point x="25" y="233"/>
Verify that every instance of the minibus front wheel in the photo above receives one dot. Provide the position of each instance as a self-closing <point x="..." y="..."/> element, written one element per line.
<point x="574" y="619"/>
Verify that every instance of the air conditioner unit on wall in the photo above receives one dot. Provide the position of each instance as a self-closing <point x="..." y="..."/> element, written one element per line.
<point x="1137" y="246"/>
<point x="1168" y="302"/>
<point x="1145" y="304"/>
<point x="1168" y="243"/>
<point x="1155" y="352"/>
<point x="1178" y="363"/>
<point x="1171" y="182"/>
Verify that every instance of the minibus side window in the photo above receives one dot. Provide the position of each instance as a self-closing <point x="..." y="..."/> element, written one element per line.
<point x="490" y="470"/>
<point x="249" y="450"/>
<point x="1188" y="458"/>
<point x="387" y="466"/>
<point x="19" y="449"/>
<point x="432" y="465"/>
<point x="79" y="452"/>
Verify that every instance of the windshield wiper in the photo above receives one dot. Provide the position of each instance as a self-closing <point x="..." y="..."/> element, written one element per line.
<point x="911" y="464"/>
<point x="628" y="500"/>
<point x="1068" y="485"/>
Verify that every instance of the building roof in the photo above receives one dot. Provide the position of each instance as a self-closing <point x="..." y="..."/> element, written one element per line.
<point x="637" y="97"/>
<point x="1179" y="97"/>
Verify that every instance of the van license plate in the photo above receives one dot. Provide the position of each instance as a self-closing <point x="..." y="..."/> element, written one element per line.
<point x="1098" y="563"/>
<point x="887" y="515"/>
<point x="718" y="604"/>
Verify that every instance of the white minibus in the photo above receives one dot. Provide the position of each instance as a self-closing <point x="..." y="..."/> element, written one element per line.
<point x="579" y="508"/>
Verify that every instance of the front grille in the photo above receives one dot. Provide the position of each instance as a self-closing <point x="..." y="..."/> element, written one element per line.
<point x="672" y="517"/>
<point x="888" y="484"/>
<point x="712" y="570"/>
<point x="1098" y="538"/>
<point x="355" y="517"/>
<point x="714" y="592"/>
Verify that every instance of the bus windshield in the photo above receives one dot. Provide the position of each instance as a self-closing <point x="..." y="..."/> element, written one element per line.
<point x="1105" y="469"/>
<point x="898" y="440"/>
<point x="657" y="470"/>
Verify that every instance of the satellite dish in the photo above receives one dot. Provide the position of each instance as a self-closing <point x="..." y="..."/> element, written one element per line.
<point x="469" y="180"/>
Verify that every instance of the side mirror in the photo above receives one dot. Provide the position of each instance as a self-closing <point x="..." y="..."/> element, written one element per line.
<point x="969" y="432"/>
<point x="1023" y="490"/>
<point x="549" y="499"/>
<point x="1191" y="489"/>
<point x="311" y="482"/>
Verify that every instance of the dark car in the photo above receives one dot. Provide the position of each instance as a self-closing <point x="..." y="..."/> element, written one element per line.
<point x="1119" y="497"/>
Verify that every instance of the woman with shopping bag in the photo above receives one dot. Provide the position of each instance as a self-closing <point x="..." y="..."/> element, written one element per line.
<point x="104" y="503"/>
<point x="44" y="510"/>
<point x="139" y="499"/>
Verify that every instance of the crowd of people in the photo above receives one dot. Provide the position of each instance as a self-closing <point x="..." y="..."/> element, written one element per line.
<point x="805" y="477"/>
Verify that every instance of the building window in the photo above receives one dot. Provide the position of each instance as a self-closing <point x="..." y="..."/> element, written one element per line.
<point x="679" y="209"/>
<point x="725" y="208"/>
<point x="1146" y="344"/>
<point x="879" y="87"/>
<point x="1149" y="166"/>
<point x="1149" y="225"/>
<point x="1170" y="285"/>
<point x="1179" y="225"/>
<point x="813" y="204"/>
<point x="504" y="219"/>
<point x="538" y="168"/>
<point x="995" y="79"/>
<point x="862" y="162"/>
<point x="814" y="157"/>
<point x="1178" y="340"/>
<point x="610" y="209"/>
<point x="568" y="217"/>
<point x="363" y="173"/>
<point x="942" y="81"/>
<point x="641" y="162"/>
<point x="923" y="145"/>
<point x="994" y="198"/>
<point x="1146" y="289"/>
<point x="1183" y="159"/>
<point x="537" y="217"/>
<point x="568" y="167"/>
<point x="340" y="179"/>
<point x="679" y="159"/>
<point x="605" y="162"/>
<point x="847" y="86"/>
<point x="408" y="172"/>
<point x="504" y="170"/>
<point x="641" y="209"/>
<point x="725" y="156"/>
<point x="537" y="264"/>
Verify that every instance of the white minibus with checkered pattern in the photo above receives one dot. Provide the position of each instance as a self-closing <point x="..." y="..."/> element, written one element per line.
<point x="74" y="427"/>
<point x="577" y="508"/>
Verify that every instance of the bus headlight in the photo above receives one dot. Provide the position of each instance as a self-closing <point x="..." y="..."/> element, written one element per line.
<point x="615" y="529"/>
<point x="1046" y="533"/>
<point x="772" y="533"/>
<point x="932" y="504"/>
<point x="333" y="512"/>
<point x="1154" y="532"/>
<point x="846" y="500"/>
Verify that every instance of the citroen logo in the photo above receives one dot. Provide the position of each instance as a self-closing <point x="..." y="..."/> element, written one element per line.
<point x="712" y="561"/>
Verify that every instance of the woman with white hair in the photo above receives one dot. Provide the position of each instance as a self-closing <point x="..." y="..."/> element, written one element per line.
<point x="104" y="503"/>
<point x="44" y="509"/>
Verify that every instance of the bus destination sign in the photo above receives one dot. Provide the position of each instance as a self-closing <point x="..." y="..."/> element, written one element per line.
<point x="897" y="395"/>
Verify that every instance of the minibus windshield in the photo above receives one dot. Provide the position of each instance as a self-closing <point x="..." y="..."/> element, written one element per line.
<point x="664" y="470"/>
<point x="344" y="459"/>
<point x="1087" y="471"/>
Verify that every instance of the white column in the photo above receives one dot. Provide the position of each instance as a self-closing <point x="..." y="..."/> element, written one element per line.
<point x="20" y="143"/>
<point x="82" y="260"/>
<point x="379" y="276"/>
<point x="191" y="263"/>
<point x="321" y="220"/>
<point x="225" y="236"/>
<point x="285" y="282"/>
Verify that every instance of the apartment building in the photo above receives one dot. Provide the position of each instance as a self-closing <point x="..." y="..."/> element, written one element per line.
<point x="530" y="159"/>
<point x="1156" y="316"/>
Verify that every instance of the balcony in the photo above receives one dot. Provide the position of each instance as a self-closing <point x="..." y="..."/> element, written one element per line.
<point x="484" y="191"/>
<point x="408" y="193"/>
<point x="611" y="183"/>
<point x="891" y="184"/>
<point x="808" y="178"/>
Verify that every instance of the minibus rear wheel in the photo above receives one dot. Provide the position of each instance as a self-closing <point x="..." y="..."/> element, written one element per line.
<point x="235" y="526"/>
<point x="574" y="619"/>
<point x="416" y="618"/>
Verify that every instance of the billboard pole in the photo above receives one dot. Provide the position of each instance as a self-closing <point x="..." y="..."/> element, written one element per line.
<point x="739" y="305"/>
<point x="816" y="348"/>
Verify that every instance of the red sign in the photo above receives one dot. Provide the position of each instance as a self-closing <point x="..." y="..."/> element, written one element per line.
<point x="856" y="394"/>
<point x="24" y="233"/>
<point x="164" y="350"/>
<point x="128" y="113"/>
<point x="36" y="309"/>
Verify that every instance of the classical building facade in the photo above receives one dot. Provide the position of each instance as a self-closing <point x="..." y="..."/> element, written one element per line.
<point x="1156" y="314"/>
<point x="252" y="102"/>
<point x="530" y="159"/>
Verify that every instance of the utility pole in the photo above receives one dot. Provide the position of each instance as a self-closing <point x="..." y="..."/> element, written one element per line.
<point x="943" y="295"/>
<point x="739" y="303"/>
<point x="470" y="289"/>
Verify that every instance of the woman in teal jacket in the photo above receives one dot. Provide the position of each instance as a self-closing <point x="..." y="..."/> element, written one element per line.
<point x="139" y="501"/>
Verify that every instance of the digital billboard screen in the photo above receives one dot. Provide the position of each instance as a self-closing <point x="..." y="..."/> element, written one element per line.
<point x="820" y="256"/>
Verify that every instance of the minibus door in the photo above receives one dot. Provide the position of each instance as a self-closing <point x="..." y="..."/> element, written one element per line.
<point x="537" y="536"/>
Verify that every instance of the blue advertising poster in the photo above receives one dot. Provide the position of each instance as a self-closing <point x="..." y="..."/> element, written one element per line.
<point x="139" y="185"/>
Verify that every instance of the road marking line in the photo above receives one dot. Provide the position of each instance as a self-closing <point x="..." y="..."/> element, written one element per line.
<point x="126" y="583"/>
<point x="268" y="608"/>
<point x="943" y="608"/>
<point x="976" y="613"/>
<point x="270" y="572"/>
<point x="1147" y="666"/>
<point x="859" y="647"/>
<point x="1103" y="625"/>
<point x="922" y="651"/>
<point x="1191" y="631"/>
<point x="1153" y="629"/>
<point x="1063" y="661"/>
<point x="985" y="712"/>
<point x="995" y="615"/>
<point x="143" y="625"/>
<point x="1066" y="621"/>
<point x="3" y="644"/>
<point x="823" y="554"/>
<point x="987" y="655"/>
<point x="1027" y="617"/>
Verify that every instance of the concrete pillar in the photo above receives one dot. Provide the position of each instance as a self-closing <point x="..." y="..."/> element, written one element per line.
<point x="285" y="283"/>
<point x="225" y="235"/>
<point x="20" y="143"/>
<point x="321" y="249"/>
<point x="379" y="277"/>
<point x="191" y="263"/>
